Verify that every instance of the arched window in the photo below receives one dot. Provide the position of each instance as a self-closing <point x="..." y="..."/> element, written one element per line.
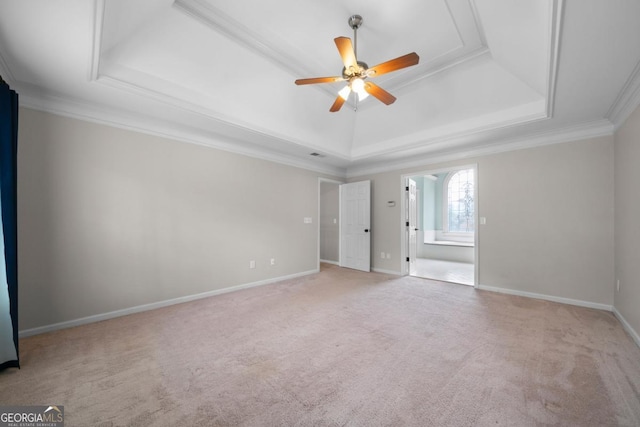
<point x="459" y="206"/>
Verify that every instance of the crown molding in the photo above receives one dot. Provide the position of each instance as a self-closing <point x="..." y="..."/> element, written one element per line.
<point x="577" y="132"/>
<point x="555" y="29"/>
<point x="627" y="100"/>
<point x="216" y="117"/>
<point x="81" y="110"/>
<point x="219" y="21"/>
<point x="475" y="128"/>
<point x="478" y="23"/>
<point x="96" y="46"/>
<point x="77" y="109"/>
<point x="222" y="23"/>
<point x="7" y="75"/>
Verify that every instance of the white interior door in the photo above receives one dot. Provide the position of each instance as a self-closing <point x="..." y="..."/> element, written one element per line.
<point x="355" y="225"/>
<point x="412" y="224"/>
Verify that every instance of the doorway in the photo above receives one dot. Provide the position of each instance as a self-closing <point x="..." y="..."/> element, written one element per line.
<point x="329" y="221"/>
<point x="344" y="226"/>
<point x="440" y="224"/>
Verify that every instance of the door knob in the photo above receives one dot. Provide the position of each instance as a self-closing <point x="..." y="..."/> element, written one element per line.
<point x="366" y="230"/>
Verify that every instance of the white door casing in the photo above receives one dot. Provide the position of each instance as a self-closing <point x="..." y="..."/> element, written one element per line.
<point x="355" y="221"/>
<point x="412" y="224"/>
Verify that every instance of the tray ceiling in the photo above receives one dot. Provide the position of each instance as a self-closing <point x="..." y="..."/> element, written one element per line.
<point x="493" y="74"/>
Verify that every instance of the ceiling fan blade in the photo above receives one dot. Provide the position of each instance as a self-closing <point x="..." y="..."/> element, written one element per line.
<point x="337" y="105"/>
<point x="376" y="91"/>
<point x="393" y="65"/>
<point x="345" y="47"/>
<point x="318" y="80"/>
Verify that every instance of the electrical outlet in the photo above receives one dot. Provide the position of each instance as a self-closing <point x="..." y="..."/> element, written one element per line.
<point x="388" y="255"/>
<point x="252" y="264"/>
<point x="273" y="261"/>
<point x="382" y="255"/>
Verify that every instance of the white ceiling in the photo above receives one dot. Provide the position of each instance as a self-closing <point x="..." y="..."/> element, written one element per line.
<point x="493" y="74"/>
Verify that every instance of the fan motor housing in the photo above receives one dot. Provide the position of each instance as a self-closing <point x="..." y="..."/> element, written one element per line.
<point x="349" y="73"/>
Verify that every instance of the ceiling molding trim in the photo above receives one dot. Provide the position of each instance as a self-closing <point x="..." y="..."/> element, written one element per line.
<point x="568" y="134"/>
<point x="209" y="114"/>
<point x="222" y="23"/>
<point x="627" y="100"/>
<point x="421" y="139"/>
<point x="432" y="71"/>
<point x="455" y="23"/>
<point x="102" y="115"/>
<point x="557" y="20"/>
<point x="98" y="23"/>
<point x="399" y="84"/>
<point x="478" y="21"/>
<point x="7" y="75"/>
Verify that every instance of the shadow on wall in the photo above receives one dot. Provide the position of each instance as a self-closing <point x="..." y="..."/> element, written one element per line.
<point x="330" y="222"/>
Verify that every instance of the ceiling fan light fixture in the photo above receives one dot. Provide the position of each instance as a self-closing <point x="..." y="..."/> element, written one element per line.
<point x="354" y="71"/>
<point x="344" y="92"/>
<point x="357" y="85"/>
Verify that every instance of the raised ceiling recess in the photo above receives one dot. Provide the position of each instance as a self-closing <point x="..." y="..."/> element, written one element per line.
<point x="492" y="73"/>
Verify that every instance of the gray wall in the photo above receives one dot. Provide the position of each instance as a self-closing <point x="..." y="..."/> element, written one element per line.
<point x="627" y="225"/>
<point x="549" y="217"/>
<point x="329" y="221"/>
<point x="111" y="219"/>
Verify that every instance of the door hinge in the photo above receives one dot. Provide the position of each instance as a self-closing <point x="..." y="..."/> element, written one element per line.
<point x="408" y="260"/>
<point x="406" y="188"/>
<point x="407" y="223"/>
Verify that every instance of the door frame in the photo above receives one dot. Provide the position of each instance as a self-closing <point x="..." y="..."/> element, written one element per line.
<point x="412" y="234"/>
<point x="338" y="183"/>
<point x="403" y="215"/>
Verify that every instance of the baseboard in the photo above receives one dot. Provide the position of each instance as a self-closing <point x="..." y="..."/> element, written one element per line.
<point x="627" y="327"/>
<point x="569" y="301"/>
<point x="392" y="272"/>
<point x="154" y="305"/>
<point x="326" y="261"/>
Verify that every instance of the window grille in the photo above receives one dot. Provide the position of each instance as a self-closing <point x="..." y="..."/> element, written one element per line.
<point x="460" y="202"/>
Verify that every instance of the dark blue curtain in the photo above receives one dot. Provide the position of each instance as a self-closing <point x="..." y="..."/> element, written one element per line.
<point x="9" y="357"/>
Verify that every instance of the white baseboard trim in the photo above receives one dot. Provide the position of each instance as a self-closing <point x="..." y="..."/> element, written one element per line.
<point x="326" y="261"/>
<point x="392" y="272"/>
<point x="569" y="301"/>
<point x="154" y="305"/>
<point x="627" y="327"/>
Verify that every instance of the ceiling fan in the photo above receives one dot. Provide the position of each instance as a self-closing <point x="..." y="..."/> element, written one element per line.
<point x="356" y="72"/>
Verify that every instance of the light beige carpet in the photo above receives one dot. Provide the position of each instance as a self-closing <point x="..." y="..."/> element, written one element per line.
<point x="339" y="348"/>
